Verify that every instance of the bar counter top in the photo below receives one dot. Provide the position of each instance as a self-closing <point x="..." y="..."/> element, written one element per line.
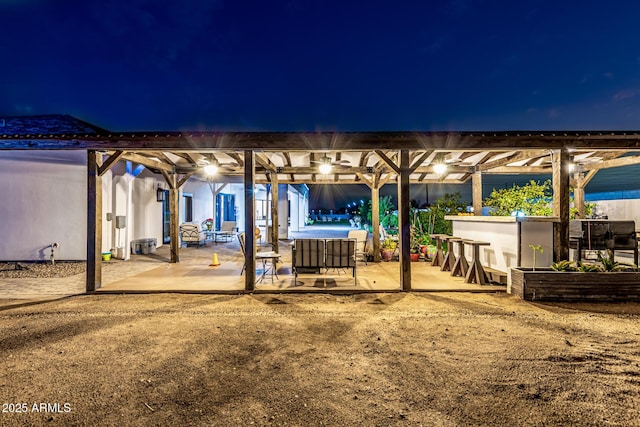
<point x="507" y="219"/>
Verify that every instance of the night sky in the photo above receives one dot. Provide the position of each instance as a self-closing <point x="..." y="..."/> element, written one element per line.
<point x="323" y="65"/>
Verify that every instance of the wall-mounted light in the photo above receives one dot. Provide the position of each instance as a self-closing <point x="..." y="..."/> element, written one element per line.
<point x="160" y="193"/>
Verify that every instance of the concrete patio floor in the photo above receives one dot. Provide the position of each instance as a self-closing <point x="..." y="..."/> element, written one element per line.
<point x="194" y="274"/>
<point x="154" y="273"/>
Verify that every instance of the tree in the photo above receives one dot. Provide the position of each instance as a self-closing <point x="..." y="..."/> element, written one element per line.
<point x="532" y="199"/>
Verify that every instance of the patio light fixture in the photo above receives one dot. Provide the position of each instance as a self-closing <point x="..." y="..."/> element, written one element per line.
<point x="325" y="167"/>
<point x="211" y="169"/>
<point x="439" y="168"/>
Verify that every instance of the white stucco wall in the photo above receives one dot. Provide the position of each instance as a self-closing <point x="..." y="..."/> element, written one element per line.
<point x="44" y="200"/>
<point x="202" y="200"/>
<point x="44" y="196"/>
<point x="621" y="209"/>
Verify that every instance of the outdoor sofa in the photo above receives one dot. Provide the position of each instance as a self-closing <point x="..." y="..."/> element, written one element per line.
<point x="321" y="255"/>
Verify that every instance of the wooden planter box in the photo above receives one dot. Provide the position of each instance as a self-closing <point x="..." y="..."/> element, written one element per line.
<point x="545" y="284"/>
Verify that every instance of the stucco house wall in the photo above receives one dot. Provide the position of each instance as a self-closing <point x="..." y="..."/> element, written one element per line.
<point x="44" y="201"/>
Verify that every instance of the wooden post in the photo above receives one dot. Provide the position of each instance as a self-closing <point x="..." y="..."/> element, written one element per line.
<point x="560" y="166"/>
<point x="275" y="225"/>
<point x="249" y="221"/>
<point x="578" y="194"/>
<point x="174" y="226"/>
<point x="94" y="222"/>
<point x="476" y="183"/>
<point x="375" y="222"/>
<point x="404" y="224"/>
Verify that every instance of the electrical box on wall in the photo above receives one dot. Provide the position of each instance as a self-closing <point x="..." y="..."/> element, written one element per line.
<point x="121" y="221"/>
<point x="109" y="216"/>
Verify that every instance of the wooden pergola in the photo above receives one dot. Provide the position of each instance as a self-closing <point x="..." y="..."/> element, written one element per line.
<point x="371" y="158"/>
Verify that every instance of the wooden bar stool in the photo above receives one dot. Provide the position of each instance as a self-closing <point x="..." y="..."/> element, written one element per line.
<point x="461" y="265"/>
<point x="476" y="273"/>
<point x="438" y="258"/>
<point x="449" y="258"/>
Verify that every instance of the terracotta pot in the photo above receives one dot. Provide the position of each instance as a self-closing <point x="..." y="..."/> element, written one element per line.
<point x="414" y="257"/>
<point x="386" y="254"/>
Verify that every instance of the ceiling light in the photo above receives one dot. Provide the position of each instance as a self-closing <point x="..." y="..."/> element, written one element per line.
<point x="325" y="168"/>
<point x="211" y="169"/>
<point x="439" y="168"/>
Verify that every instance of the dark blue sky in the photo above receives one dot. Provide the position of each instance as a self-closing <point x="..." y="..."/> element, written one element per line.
<point x="303" y="65"/>
<point x="323" y="65"/>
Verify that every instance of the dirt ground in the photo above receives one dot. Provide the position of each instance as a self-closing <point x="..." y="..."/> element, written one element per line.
<point x="432" y="359"/>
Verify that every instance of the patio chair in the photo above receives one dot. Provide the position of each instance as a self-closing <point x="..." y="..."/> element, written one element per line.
<point x="191" y="234"/>
<point x="229" y="226"/>
<point x="361" y="237"/>
<point x="384" y="235"/>
<point x="242" y="240"/>
<point x="226" y="232"/>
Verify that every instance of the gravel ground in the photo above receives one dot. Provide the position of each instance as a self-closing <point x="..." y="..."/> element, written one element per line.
<point x="436" y="359"/>
<point x="14" y="270"/>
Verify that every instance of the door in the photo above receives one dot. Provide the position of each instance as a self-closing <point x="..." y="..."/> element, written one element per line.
<point x="166" y="218"/>
<point x="225" y="208"/>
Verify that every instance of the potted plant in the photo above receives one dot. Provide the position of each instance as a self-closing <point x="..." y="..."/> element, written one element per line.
<point x="388" y="248"/>
<point x="208" y="223"/>
<point x="427" y="247"/>
<point x="414" y="250"/>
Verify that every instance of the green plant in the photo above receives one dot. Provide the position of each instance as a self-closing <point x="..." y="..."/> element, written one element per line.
<point x="563" y="266"/>
<point x="387" y="212"/>
<point x="389" y="244"/>
<point x="589" y="208"/>
<point x="530" y="199"/>
<point x="588" y="267"/>
<point x="450" y="204"/>
<point x="608" y="263"/>
<point x="536" y="249"/>
<point x="415" y="247"/>
<point x="425" y="240"/>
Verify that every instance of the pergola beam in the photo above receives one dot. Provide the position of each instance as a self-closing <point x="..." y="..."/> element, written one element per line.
<point x="147" y="162"/>
<point x="110" y="162"/>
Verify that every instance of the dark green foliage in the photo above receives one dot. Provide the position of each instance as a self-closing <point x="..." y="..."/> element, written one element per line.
<point x="387" y="215"/>
<point x="450" y="204"/>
